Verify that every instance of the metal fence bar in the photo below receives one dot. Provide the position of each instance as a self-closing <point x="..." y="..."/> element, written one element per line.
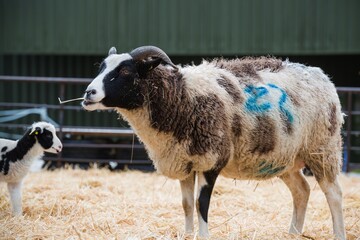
<point x="343" y="89"/>
<point x="38" y="105"/>
<point x="97" y="160"/>
<point x="348" y="131"/>
<point x="46" y="79"/>
<point x="103" y="145"/>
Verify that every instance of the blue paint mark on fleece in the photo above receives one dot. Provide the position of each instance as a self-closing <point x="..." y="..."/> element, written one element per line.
<point x="269" y="170"/>
<point x="257" y="103"/>
<point x="283" y="98"/>
<point x="256" y="93"/>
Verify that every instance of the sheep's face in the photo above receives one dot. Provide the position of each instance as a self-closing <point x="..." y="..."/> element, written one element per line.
<point x="45" y="134"/>
<point x="117" y="84"/>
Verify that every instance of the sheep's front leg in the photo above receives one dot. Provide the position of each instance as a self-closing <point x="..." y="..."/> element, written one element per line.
<point x="206" y="182"/>
<point x="15" y="197"/>
<point x="187" y="190"/>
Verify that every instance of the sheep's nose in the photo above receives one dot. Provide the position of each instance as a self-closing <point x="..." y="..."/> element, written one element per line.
<point x="90" y="92"/>
<point x="59" y="149"/>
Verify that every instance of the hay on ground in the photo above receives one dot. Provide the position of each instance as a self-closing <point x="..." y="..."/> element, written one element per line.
<point x="99" y="204"/>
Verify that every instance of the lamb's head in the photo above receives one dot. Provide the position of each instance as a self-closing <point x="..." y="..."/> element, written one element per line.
<point x="45" y="135"/>
<point x="116" y="85"/>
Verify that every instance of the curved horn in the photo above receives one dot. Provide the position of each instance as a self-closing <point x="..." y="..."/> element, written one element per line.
<point x="151" y="51"/>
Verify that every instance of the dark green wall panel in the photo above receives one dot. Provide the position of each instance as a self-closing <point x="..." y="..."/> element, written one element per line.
<point x="187" y="27"/>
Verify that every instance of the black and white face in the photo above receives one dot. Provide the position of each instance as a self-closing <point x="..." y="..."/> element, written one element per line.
<point x="103" y="87"/>
<point x="117" y="84"/>
<point x="45" y="134"/>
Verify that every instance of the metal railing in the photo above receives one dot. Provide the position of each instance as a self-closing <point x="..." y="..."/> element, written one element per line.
<point x="348" y="131"/>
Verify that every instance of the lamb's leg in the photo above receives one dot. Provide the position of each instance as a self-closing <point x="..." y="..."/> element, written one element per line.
<point x="333" y="193"/>
<point x="300" y="192"/>
<point x="187" y="190"/>
<point x="206" y="182"/>
<point x="15" y="197"/>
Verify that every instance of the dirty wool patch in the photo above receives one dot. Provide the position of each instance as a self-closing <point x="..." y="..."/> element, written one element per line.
<point x="99" y="204"/>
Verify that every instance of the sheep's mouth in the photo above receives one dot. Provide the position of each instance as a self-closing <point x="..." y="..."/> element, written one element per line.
<point x="88" y="102"/>
<point x="53" y="150"/>
<point x="56" y="149"/>
<point x="93" y="105"/>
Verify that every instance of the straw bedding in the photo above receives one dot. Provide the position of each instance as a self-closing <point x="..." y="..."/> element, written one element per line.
<point x="99" y="204"/>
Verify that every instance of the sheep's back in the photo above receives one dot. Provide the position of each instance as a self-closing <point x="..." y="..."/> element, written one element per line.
<point x="256" y="121"/>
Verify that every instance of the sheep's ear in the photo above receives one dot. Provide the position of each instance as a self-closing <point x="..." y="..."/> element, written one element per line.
<point x="36" y="131"/>
<point x="112" y="51"/>
<point x="144" y="67"/>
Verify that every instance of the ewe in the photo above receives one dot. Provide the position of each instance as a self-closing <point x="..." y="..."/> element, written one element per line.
<point x="250" y="118"/>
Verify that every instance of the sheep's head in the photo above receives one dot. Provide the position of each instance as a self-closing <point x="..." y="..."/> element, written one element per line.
<point x="45" y="134"/>
<point x="116" y="84"/>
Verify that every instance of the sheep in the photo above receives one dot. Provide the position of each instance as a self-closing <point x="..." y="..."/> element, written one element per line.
<point x="17" y="157"/>
<point x="249" y="118"/>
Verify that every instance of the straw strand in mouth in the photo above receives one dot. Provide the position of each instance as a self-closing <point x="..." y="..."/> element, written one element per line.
<point x="70" y="100"/>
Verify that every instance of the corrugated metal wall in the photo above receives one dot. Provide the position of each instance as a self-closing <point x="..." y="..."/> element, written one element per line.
<point x="67" y="38"/>
<point x="195" y="27"/>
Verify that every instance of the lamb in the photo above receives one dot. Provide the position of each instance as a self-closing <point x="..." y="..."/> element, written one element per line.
<point x="17" y="157"/>
<point x="249" y="118"/>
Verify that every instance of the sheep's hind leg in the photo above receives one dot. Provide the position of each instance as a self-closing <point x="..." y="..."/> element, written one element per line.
<point x="300" y="192"/>
<point x="333" y="193"/>
<point x="206" y="182"/>
<point x="187" y="190"/>
<point x="15" y="197"/>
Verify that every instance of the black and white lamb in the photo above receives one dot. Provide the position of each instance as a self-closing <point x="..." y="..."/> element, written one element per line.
<point x="249" y="118"/>
<point x="17" y="157"/>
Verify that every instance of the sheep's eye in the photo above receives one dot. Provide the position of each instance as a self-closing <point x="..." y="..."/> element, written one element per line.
<point x="124" y="71"/>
